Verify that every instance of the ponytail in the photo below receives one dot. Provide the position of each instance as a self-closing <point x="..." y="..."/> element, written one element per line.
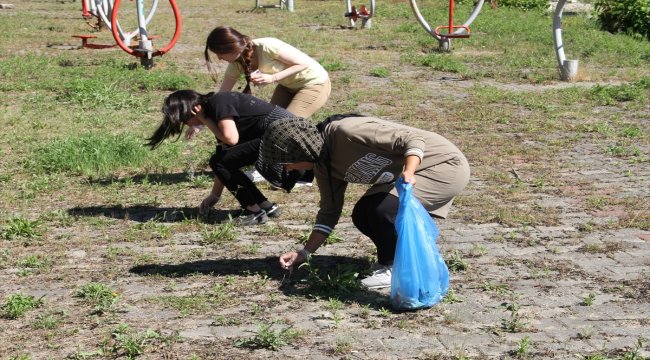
<point x="177" y="110"/>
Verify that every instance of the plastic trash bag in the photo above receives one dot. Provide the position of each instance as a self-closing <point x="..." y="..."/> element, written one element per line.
<point x="420" y="276"/>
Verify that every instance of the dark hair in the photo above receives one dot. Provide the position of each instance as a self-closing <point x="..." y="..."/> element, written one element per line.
<point x="177" y="110"/>
<point x="225" y="40"/>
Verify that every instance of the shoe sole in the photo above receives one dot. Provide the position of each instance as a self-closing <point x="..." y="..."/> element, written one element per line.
<point x="376" y="287"/>
<point x="255" y="221"/>
<point x="275" y="213"/>
<point x="248" y="223"/>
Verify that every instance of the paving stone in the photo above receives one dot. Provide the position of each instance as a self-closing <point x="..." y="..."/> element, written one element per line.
<point x="628" y="272"/>
<point x="526" y="251"/>
<point x="454" y="342"/>
<point x="616" y="344"/>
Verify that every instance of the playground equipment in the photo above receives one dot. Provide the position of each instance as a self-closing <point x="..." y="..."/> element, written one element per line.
<point x="452" y="30"/>
<point x="568" y="68"/>
<point x="102" y="9"/>
<point x="363" y="13"/>
<point x="282" y="4"/>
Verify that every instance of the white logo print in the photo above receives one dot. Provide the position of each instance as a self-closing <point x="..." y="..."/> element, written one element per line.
<point x="366" y="168"/>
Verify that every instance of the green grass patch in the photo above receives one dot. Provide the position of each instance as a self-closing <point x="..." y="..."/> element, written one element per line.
<point x="614" y="94"/>
<point x="439" y="62"/>
<point x="98" y="155"/>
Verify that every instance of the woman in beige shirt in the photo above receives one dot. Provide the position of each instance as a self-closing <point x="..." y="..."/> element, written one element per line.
<point x="303" y="85"/>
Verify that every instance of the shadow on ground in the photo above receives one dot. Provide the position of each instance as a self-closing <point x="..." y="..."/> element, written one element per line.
<point x="332" y="277"/>
<point x="161" y="179"/>
<point x="145" y="213"/>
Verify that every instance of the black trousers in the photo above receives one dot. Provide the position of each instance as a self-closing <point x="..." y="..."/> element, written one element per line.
<point x="226" y="164"/>
<point x="374" y="216"/>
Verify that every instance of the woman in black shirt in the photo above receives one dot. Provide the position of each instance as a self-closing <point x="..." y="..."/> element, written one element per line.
<point x="238" y="121"/>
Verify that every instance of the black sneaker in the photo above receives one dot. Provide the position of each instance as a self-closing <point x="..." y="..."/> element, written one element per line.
<point x="248" y="217"/>
<point x="272" y="211"/>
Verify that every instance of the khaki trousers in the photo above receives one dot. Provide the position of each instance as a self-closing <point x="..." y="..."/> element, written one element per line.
<point x="303" y="102"/>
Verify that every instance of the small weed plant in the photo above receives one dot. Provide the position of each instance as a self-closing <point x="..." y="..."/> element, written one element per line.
<point x="344" y="280"/>
<point x="523" y="348"/>
<point x="16" y="305"/>
<point x="451" y="297"/>
<point x="267" y="338"/>
<point x="99" y="295"/>
<point x="221" y="234"/>
<point x="20" y="227"/>
<point x="455" y="262"/>
<point x="380" y="72"/>
<point x="132" y="344"/>
<point x="49" y="320"/>
<point x="588" y="300"/>
<point x="514" y="323"/>
<point x="343" y="345"/>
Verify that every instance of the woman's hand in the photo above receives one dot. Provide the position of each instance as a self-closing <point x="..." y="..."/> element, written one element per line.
<point x="192" y="131"/>
<point x="259" y="78"/>
<point x="208" y="203"/>
<point x="408" y="177"/>
<point x="288" y="260"/>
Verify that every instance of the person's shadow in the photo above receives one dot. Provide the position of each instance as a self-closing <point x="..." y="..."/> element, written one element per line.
<point x="326" y="276"/>
<point x="161" y="179"/>
<point x="148" y="212"/>
<point x="145" y="212"/>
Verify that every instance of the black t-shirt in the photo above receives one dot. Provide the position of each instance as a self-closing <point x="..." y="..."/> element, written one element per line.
<point x="247" y="111"/>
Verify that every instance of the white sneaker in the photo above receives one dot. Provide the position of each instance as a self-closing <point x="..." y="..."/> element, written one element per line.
<point x="303" y="183"/>
<point x="380" y="277"/>
<point x="255" y="176"/>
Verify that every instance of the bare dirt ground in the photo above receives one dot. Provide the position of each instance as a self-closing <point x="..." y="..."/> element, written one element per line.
<point x="569" y="290"/>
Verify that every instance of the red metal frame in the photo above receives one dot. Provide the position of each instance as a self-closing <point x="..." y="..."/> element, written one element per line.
<point x="355" y="15"/>
<point x="450" y="28"/>
<point x="84" y="9"/>
<point x="120" y="43"/>
<point x="86" y="44"/>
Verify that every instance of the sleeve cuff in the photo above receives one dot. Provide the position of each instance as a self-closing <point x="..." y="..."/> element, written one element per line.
<point x="323" y="229"/>
<point x="415" y="151"/>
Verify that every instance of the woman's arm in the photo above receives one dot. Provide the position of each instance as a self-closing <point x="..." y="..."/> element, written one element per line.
<point x="295" y="60"/>
<point x="225" y="130"/>
<point x="411" y="163"/>
<point x="228" y="131"/>
<point x="227" y="84"/>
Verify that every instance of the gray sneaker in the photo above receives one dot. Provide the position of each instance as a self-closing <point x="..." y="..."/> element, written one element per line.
<point x="248" y="217"/>
<point x="380" y="277"/>
<point x="273" y="211"/>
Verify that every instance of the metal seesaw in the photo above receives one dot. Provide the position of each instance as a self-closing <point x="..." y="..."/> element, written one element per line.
<point x="363" y="13"/>
<point x="144" y="50"/>
<point x="445" y="33"/>
<point x="102" y="9"/>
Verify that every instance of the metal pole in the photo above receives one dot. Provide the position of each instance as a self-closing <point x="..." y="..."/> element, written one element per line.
<point x="568" y="68"/>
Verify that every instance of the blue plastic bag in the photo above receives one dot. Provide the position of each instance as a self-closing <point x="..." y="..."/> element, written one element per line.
<point x="420" y="276"/>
